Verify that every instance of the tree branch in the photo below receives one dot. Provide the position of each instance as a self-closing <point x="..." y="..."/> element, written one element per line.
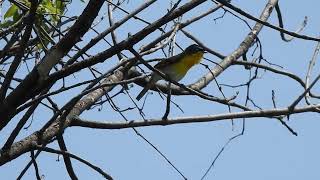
<point x="272" y="113"/>
<point x="65" y="153"/>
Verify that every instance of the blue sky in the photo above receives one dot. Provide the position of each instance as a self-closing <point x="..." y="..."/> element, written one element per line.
<point x="267" y="150"/>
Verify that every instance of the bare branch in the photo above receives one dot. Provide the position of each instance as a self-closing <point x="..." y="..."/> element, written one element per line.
<point x="238" y="10"/>
<point x="272" y="113"/>
<point x="66" y="158"/>
<point x="290" y="38"/>
<point x="65" y="153"/>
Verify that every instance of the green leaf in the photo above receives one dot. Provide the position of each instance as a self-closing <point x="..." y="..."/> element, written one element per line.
<point x="60" y="4"/>
<point x="11" y="11"/>
<point x="16" y="16"/>
<point x="50" y="8"/>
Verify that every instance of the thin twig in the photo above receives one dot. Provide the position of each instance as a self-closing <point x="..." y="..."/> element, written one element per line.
<point x="34" y="162"/>
<point x="312" y="63"/>
<point x="238" y="10"/>
<point x="165" y="116"/>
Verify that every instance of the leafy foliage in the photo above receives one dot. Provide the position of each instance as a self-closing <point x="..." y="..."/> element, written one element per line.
<point x="49" y="13"/>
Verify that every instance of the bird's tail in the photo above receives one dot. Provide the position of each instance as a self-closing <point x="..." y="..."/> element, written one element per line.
<point x="144" y="91"/>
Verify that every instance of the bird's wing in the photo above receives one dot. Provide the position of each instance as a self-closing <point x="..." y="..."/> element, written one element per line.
<point x="166" y="62"/>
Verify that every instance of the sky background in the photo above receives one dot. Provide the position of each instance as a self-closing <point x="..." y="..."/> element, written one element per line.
<point x="267" y="150"/>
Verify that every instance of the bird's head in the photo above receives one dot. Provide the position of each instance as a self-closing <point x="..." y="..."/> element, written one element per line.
<point x="194" y="48"/>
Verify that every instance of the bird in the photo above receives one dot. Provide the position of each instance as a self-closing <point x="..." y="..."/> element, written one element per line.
<point x="176" y="67"/>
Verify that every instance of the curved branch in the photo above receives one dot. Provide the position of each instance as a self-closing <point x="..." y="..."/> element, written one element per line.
<point x="289" y="38"/>
<point x="65" y="153"/>
<point x="277" y="71"/>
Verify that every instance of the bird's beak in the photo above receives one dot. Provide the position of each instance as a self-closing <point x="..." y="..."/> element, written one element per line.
<point x="203" y="50"/>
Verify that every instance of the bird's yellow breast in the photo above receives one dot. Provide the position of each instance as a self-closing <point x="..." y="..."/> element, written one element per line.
<point x="187" y="62"/>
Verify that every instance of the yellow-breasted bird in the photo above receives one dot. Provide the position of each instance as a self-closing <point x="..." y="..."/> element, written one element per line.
<point x="176" y="67"/>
